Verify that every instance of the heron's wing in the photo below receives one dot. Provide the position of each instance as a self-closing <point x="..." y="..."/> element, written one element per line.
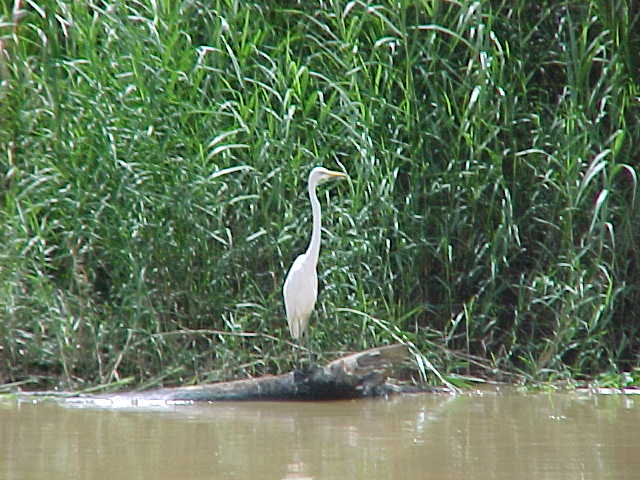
<point x="300" y="293"/>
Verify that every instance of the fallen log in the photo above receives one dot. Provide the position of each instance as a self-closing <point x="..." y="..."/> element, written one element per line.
<point x="362" y="374"/>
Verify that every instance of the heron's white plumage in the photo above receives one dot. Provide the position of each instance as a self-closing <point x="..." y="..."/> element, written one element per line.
<point x="300" y="293"/>
<point x="301" y="285"/>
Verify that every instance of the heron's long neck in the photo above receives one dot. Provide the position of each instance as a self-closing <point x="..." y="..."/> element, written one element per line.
<point x="314" y="246"/>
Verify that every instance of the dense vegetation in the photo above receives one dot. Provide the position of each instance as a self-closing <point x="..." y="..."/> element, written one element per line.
<point x="153" y="165"/>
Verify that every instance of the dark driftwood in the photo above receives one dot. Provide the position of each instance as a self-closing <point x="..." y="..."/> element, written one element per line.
<point x="362" y="374"/>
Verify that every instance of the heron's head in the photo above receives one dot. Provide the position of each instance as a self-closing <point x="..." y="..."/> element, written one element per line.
<point x="320" y="175"/>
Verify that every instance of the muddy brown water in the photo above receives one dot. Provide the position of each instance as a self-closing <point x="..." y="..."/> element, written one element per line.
<point x="488" y="435"/>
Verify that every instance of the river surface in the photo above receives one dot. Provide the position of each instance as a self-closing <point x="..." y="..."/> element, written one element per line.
<point x="432" y="436"/>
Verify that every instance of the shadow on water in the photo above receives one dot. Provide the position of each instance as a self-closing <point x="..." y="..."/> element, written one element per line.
<point x="482" y="435"/>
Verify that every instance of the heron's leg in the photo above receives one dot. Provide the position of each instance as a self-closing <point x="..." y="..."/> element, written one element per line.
<point x="311" y="357"/>
<point x="303" y="346"/>
<point x="296" y="360"/>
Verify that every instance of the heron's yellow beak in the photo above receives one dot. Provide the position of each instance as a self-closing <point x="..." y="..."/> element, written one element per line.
<point x="336" y="175"/>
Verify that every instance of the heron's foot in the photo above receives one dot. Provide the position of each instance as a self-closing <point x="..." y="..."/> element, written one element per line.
<point x="305" y="371"/>
<point x="306" y="365"/>
<point x="313" y="360"/>
<point x="299" y="366"/>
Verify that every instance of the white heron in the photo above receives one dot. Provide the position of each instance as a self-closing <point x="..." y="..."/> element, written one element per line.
<point x="301" y="286"/>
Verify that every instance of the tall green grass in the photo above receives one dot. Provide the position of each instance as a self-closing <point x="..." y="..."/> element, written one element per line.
<point x="154" y="158"/>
